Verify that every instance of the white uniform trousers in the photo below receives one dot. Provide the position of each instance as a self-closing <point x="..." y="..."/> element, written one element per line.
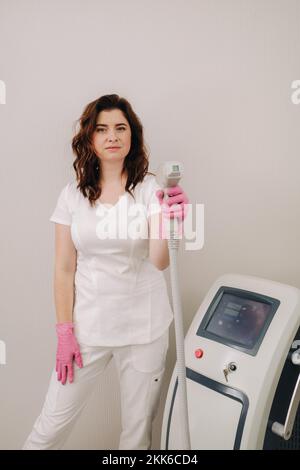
<point x="140" y="370"/>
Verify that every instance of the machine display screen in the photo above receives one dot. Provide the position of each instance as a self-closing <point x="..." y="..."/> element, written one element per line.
<point x="240" y="320"/>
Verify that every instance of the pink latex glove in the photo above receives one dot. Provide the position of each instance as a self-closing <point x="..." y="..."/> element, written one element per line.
<point x="67" y="349"/>
<point x="177" y="196"/>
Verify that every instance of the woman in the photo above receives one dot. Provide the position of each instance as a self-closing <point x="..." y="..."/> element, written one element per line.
<point x="110" y="293"/>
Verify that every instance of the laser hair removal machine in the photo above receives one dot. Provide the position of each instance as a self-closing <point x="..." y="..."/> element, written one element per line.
<point x="242" y="354"/>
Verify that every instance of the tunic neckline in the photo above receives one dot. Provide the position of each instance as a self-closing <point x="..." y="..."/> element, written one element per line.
<point x="110" y="206"/>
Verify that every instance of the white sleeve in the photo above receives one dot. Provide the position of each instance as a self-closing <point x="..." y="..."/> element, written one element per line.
<point x="153" y="206"/>
<point x="62" y="213"/>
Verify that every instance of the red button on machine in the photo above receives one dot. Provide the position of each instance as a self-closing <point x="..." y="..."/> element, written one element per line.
<point x="199" y="353"/>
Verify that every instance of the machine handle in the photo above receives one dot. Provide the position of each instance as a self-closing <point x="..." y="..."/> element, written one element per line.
<point x="285" y="430"/>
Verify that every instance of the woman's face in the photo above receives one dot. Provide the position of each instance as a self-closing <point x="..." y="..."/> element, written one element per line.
<point x="112" y="130"/>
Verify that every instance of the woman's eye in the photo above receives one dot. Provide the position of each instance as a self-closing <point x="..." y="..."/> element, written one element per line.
<point x="119" y="129"/>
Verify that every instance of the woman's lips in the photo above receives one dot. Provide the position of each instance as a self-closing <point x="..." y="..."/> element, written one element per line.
<point x="113" y="149"/>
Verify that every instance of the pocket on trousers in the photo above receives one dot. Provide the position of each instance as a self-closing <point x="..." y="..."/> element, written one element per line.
<point x="150" y="357"/>
<point x="155" y="393"/>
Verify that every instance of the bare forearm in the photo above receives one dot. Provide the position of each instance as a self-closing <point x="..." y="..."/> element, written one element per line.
<point x="158" y="246"/>
<point x="64" y="295"/>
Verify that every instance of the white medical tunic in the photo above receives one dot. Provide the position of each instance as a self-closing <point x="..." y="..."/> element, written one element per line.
<point x="121" y="298"/>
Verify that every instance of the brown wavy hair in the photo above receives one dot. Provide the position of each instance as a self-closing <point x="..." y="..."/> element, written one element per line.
<point x="87" y="164"/>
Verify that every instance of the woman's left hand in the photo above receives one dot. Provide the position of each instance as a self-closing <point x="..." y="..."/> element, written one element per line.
<point x="176" y="204"/>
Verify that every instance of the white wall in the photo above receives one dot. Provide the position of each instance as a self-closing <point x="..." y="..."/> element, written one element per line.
<point x="211" y="82"/>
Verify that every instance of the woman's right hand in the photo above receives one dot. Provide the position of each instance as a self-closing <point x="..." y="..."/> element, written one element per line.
<point x="67" y="350"/>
